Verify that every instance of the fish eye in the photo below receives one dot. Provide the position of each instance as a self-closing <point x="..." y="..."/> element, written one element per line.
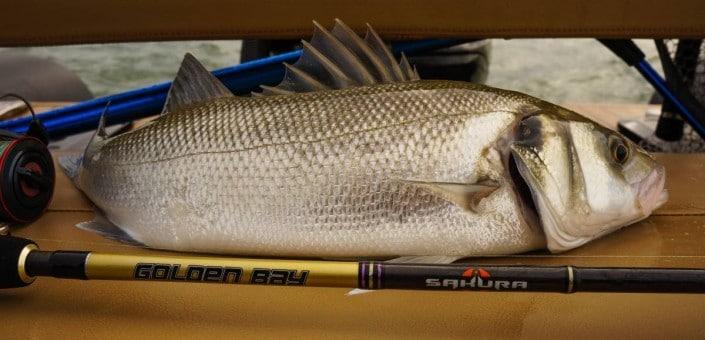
<point x="619" y="150"/>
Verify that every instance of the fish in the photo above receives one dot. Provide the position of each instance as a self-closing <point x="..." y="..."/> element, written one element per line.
<point x="353" y="155"/>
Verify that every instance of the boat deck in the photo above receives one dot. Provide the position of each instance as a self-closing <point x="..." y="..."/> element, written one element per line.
<point x="673" y="237"/>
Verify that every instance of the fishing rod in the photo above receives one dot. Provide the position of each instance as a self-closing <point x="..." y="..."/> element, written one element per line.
<point x="21" y="262"/>
<point x="148" y="101"/>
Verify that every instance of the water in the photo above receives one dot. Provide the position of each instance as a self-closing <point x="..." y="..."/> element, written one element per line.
<point x="559" y="70"/>
<point x="569" y="70"/>
<point x="111" y="68"/>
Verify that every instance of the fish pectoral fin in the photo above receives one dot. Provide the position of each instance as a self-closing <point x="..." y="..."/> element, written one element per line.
<point x="102" y="226"/>
<point x="464" y="195"/>
<point x="193" y="84"/>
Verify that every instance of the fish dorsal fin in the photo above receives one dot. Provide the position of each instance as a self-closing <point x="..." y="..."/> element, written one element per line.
<point x="193" y="84"/>
<point x="466" y="196"/>
<point x="339" y="54"/>
<point x="98" y="139"/>
<point x="363" y="51"/>
<point x="406" y="68"/>
<point x="340" y="58"/>
<point x="380" y="48"/>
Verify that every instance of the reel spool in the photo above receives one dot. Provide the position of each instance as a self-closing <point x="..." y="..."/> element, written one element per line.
<point x="27" y="173"/>
<point x="26" y="179"/>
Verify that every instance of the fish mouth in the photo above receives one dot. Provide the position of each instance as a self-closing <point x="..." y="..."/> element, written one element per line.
<point x="651" y="192"/>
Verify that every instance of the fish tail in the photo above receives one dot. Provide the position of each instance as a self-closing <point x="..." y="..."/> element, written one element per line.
<point x="71" y="164"/>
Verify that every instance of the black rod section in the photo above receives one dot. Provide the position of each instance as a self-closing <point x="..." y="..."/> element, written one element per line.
<point x="639" y="280"/>
<point x="61" y="264"/>
<point x="566" y="279"/>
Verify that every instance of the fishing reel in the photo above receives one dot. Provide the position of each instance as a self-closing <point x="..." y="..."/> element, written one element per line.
<point x="27" y="173"/>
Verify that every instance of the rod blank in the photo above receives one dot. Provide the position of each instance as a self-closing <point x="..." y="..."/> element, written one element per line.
<point x="21" y="262"/>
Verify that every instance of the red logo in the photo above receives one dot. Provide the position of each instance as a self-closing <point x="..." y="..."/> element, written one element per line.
<point x="470" y="272"/>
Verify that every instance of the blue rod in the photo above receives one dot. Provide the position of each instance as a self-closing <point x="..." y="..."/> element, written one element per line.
<point x="660" y="85"/>
<point x="148" y="101"/>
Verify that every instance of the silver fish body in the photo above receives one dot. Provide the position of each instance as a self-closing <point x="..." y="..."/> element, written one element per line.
<point x="330" y="173"/>
<point x="352" y="156"/>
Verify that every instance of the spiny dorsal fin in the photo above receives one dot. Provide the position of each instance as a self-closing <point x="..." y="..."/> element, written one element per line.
<point x="380" y="48"/>
<point x="193" y="84"/>
<point x="269" y="90"/>
<point x="339" y="59"/>
<point x="362" y="50"/>
<point x="338" y="53"/>
<point x="406" y="68"/>
<point x="416" y="73"/>
<point x="305" y="80"/>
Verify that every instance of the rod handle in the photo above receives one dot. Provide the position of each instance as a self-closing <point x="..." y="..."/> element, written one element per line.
<point x="13" y="250"/>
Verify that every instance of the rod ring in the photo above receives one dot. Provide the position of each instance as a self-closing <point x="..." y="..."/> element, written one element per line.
<point x="21" y="270"/>
<point x="570" y="279"/>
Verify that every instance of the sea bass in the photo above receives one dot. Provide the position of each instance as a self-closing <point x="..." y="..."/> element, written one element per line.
<point x="353" y="156"/>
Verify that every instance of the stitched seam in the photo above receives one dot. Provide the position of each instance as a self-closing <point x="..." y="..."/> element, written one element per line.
<point x="391" y="32"/>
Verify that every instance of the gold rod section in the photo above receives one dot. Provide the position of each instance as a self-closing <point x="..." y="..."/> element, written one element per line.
<point x="221" y="270"/>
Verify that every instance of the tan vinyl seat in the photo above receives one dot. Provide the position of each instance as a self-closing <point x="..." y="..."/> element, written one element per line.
<point x="673" y="237"/>
<point x="34" y="22"/>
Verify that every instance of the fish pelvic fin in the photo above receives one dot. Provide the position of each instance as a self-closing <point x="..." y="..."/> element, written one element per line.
<point x="193" y="84"/>
<point x="464" y="195"/>
<point x="101" y="225"/>
<point x="339" y="59"/>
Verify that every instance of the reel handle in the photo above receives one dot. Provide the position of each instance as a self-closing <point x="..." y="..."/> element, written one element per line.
<point x="13" y="251"/>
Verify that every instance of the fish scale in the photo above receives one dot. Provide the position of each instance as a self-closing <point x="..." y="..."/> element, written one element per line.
<point x="319" y="174"/>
